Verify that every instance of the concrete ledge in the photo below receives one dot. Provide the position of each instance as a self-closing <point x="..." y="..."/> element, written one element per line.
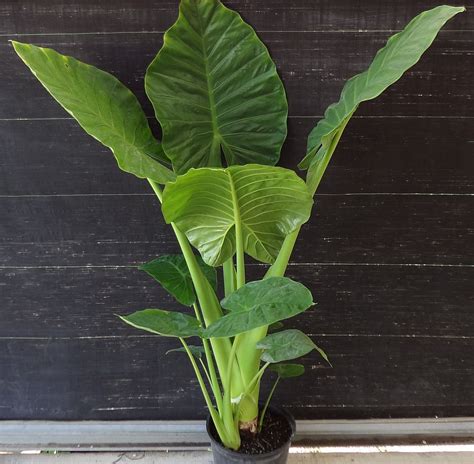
<point x="200" y="457"/>
<point x="158" y="435"/>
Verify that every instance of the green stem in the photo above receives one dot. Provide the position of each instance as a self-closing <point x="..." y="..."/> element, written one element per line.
<point x="247" y="355"/>
<point x="204" y="368"/>
<point x="212" y="376"/>
<point x="327" y="157"/>
<point x="207" y="298"/>
<point x="239" y="241"/>
<point x="215" y="416"/>
<point x="264" y="410"/>
<point x="228" y="270"/>
<point x="227" y="416"/>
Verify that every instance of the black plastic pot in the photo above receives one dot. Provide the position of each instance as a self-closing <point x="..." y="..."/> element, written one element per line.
<point x="223" y="455"/>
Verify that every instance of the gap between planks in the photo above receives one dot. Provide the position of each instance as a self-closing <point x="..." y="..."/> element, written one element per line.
<point x="319" y="335"/>
<point x="133" y="266"/>
<point x="400" y="116"/>
<point x="281" y="31"/>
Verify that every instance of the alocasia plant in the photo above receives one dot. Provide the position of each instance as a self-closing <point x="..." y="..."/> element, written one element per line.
<point x="222" y="109"/>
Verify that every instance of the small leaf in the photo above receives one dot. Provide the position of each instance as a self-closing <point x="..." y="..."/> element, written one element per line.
<point x="206" y="204"/>
<point x="197" y="351"/>
<point x="286" y="371"/>
<point x="166" y="323"/>
<point x="260" y="303"/>
<point x="275" y="326"/>
<point x="215" y="89"/>
<point x="104" y="108"/>
<point x="286" y="345"/>
<point x="172" y="272"/>
<point x="401" y="52"/>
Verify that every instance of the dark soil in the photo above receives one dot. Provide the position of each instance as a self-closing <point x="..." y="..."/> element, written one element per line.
<point x="275" y="433"/>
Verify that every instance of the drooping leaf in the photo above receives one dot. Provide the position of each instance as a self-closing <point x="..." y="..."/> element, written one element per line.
<point x="172" y="272"/>
<point x="166" y="323"/>
<point x="401" y="52"/>
<point x="260" y="303"/>
<point x="286" y="345"/>
<point x="214" y="87"/>
<point x="197" y="351"/>
<point x="269" y="203"/>
<point x="104" y="108"/>
<point x="285" y="371"/>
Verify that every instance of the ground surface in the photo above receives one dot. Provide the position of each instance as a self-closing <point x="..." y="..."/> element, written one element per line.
<point x="203" y="457"/>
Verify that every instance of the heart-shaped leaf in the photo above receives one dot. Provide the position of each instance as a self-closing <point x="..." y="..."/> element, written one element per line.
<point x="285" y="371"/>
<point x="214" y="87"/>
<point x="260" y="303"/>
<point x="172" y="272"/>
<point x="104" y="108"/>
<point x="166" y="323"/>
<point x="197" y="351"/>
<point x="401" y="52"/>
<point x="268" y="202"/>
<point x="286" y="345"/>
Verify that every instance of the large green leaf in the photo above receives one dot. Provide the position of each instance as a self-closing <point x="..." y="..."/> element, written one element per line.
<point x="285" y="371"/>
<point x="214" y="86"/>
<point x="286" y="345"/>
<point x="166" y="323"/>
<point x="268" y="202"/>
<point x="400" y="53"/>
<point x="260" y="303"/>
<point x="172" y="272"/>
<point x="104" y="108"/>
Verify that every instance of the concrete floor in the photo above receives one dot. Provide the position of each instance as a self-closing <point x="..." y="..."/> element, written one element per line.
<point x="203" y="457"/>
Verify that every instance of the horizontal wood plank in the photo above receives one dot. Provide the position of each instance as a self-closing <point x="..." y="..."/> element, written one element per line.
<point x="124" y="230"/>
<point x="395" y="302"/>
<point x="313" y="66"/>
<point x="87" y="16"/>
<point x="122" y="378"/>
<point x="376" y="155"/>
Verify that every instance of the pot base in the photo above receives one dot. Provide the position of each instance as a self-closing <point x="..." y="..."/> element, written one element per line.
<point x="271" y="446"/>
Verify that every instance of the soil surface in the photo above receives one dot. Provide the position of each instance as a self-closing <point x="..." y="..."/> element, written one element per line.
<point x="275" y="432"/>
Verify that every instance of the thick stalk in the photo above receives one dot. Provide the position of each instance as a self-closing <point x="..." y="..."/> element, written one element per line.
<point x="207" y="298"/>
<point x="239" y="241"/>
<point x="228" y="271"/>
<point x="247" y="355"/>
<point x="228" y="418"/>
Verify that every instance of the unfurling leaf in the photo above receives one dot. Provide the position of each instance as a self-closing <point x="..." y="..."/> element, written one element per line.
<point x="286" y="345"/>
<point x="172" y="272"/>
<point x="215" y="89"/>
<point x="206" y="204"/>
<point x="285" y="371"/>
<point x="104" y="108"/>
<point x="260" y="303"/>
<point x="401" y="52"/>
<point x="166" y="323"/>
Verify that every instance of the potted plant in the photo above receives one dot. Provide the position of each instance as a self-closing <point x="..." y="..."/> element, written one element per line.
<point x="222" y="109"/>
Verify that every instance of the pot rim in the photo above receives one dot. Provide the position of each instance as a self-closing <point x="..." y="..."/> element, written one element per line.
<point x="282" y="412"/>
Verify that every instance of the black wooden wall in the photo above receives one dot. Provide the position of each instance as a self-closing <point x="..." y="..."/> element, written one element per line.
<point x="388" y="253"/>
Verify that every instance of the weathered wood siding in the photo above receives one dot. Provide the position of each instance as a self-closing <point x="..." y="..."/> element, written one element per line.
<point x="388" y="253"/>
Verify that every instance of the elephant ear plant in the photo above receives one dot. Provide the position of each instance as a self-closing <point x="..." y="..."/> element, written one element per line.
<point x="222" y="109"/>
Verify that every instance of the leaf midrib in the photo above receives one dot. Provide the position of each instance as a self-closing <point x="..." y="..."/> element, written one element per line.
<point x="212" y="104"/>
